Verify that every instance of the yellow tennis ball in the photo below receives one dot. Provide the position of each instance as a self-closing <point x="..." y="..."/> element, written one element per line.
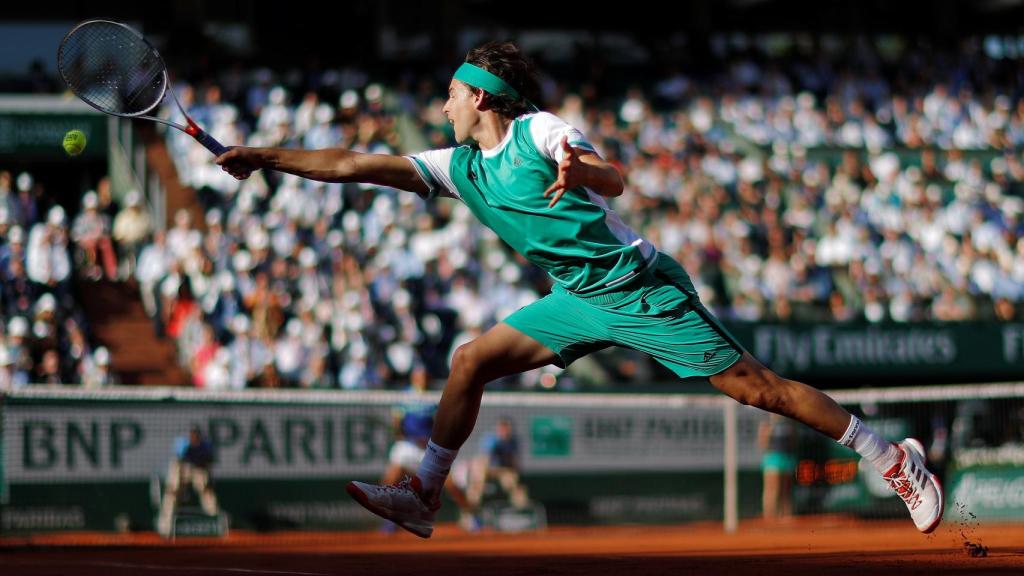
<point x="74" y="142"/>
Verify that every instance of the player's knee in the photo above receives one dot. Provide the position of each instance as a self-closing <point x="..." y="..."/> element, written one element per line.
<point x="465" y="362"/>
<point x="765" y="390"/>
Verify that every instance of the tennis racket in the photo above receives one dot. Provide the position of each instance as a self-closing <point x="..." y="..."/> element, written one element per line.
<point x="112" y="68"/>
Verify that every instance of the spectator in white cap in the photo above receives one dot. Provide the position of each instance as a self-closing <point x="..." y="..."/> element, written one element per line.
<point x="44" y="322"/>
<point x="47" y="259"/>
<point x="16" y="354"/>
<point x="26" y="206"/>
<point x="249" y="356"/>
<point x="97" y="373"/>
<point x="91" y="232"/>
<point x="132" y="227"/>
<point x="153" y="263"/>
<point x="216" y="242"/>
<point x="13" y="249"/>
<point x="177" y="237"/>
<point x="290" y="354"/>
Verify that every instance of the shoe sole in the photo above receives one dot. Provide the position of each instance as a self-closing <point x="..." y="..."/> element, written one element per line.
<point x="919" y="448"/>
<point x="422" y="530"/>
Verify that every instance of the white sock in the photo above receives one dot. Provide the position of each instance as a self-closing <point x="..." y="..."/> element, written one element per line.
<point x="434" y="467"/>
<point x="866" y="442"/>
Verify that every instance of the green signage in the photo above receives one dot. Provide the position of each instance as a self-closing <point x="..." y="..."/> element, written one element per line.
<point x="975" y="351"/>
<point x="551" y="436"/>
<point x="988" y="492"/>
<point x="42" y="134"/>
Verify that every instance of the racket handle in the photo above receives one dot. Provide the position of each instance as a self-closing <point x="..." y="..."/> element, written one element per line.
<point x="201" y="136"/>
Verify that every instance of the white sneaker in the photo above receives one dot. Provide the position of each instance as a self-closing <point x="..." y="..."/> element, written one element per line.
<point x="919" y="488"/>
<point x="401" y="503"/>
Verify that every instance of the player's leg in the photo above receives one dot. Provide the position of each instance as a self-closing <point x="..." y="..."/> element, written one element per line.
<point x="749" y="382"/>
<point x="902" y="465"/>
<point x="501" y="351"/>
<point x="664" y="318"/>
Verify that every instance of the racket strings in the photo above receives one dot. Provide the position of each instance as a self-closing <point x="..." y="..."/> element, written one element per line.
<point x="113" y="69"/>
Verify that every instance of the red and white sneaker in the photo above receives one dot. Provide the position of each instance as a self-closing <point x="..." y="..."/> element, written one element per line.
<point x="919" y="488"/>
<point x="401" y="503"/>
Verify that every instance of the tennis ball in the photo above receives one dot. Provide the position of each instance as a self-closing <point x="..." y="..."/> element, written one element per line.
<point x="74" y="142"/>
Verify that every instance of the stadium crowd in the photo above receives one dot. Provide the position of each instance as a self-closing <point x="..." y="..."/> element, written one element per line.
<point x="798" y="192"/>
<point x="43" y="331"/>
<point x="791" y="189"/>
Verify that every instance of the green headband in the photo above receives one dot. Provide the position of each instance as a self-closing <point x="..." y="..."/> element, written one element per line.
<point x="484" y="80"/>
<point x="479" y="78"/>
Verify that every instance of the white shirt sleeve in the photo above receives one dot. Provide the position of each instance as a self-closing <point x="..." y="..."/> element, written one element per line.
<point x="434" y="167"/>
<point x="548" y="130"/>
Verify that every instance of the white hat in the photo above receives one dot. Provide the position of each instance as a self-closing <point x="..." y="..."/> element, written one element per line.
<point x="307" y="257"/>
<point x="258" y="239"/>
<point x="55" y="216"/>
<point x="278" y="95"/>
<point x="90" y="200"/>
<point x="349" y="99"/>
<point x="324" y="114"/>
<point x="226" y="281"/>
<point x="334" y="238"/>
<point x="46" y="303"/>
<point x="242" y="261"/>
<point x="24" y="181"/>
<point x="133" y="198"/>
<point x="374" y="93"/>
<point x="101" y="356"/>
<point x="401" y="299"/>
<point x="240" y="324"/>
<point x="213" y="217"/>
<point x="17" y="327"/>
<point x="15" y="235"/>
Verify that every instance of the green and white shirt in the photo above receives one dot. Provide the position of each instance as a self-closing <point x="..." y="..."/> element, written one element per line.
<point x="580" y="242"/>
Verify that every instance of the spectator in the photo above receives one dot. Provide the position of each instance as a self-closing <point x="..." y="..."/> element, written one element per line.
<point x="48" y="263"/>
<point x="91" y="233"/>
<point x="132" y="227"/>
<point x="193" y="458"/>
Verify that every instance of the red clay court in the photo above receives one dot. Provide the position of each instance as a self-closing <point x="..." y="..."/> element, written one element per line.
<point x="807" y="546"/>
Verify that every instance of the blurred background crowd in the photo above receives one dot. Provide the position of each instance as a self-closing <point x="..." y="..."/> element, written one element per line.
<point x="801" y="186"/>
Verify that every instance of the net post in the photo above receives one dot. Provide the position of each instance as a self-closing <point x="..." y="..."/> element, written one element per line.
<point x="731" y="516"/>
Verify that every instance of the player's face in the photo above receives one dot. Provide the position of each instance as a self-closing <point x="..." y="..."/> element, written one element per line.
<point x="461" y="109"/>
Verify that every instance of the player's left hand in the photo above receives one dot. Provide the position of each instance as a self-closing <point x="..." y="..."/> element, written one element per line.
<point x="569" y="173"/>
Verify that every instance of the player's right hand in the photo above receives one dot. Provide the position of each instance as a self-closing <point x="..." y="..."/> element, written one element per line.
<point x="239" y="161"/>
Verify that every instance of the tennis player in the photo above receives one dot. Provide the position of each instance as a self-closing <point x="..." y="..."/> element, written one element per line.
<point x="541" y="186"/>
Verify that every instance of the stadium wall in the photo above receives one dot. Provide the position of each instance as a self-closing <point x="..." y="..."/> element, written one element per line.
<point x="90" y="460"/>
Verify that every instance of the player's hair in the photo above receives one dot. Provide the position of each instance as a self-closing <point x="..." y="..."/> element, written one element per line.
<point x="504" y="60"/>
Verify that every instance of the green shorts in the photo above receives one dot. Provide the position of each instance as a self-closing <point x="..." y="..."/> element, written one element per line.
<point x="658" y="313"/>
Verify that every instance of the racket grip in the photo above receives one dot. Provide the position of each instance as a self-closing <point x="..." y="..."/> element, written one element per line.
<point x="209" y="142"/>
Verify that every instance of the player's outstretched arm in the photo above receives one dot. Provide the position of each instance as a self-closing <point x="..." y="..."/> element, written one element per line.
<point x="327" y="165"/>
